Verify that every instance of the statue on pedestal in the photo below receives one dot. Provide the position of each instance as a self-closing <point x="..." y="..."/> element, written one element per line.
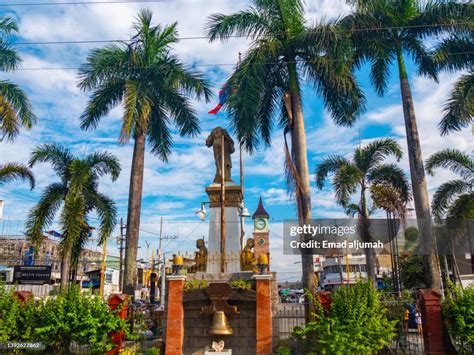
<point x="247" y="257"/>
<point x="215" y="141"/>
<point x="200" y="257"/>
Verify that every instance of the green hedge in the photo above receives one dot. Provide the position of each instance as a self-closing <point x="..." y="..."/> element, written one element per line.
<point x="70" y="317"/>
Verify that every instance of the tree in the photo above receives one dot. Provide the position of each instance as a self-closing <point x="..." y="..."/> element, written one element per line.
<point x="455" y="198"/>
<point x="15" y="107"/>
<point x="384" y="31"/>
<point x="453" y="54"/>
<point x="15" y="171"/>
<point x="363" y="173"/>
<point x="267" y="85"/>
<point x="77" y="193"/>
<point x="154" y="88"/>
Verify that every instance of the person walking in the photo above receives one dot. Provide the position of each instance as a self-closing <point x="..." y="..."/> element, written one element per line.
<point x="418" y="321"/>
<point x="406" y="320"/>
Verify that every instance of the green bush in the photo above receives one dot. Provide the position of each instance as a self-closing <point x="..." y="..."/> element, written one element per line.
<point x="195" y="285"/>
<point x="458" y="312"/>
<point x="70" y="317"/>
<point x="17" y="319"/>
<point x="356" y="323"/>
<point x="241" y="284"/>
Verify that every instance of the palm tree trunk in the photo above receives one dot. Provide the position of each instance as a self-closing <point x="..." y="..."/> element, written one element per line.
<point x="365" y="236"/>
<point x="418" y="180"/>
<point x="133" y="215"/>
<point x="65" y="268"/>
<point x="298" y="146"/>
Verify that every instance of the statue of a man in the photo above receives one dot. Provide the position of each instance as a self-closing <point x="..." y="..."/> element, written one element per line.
<point x="215" y="141"/>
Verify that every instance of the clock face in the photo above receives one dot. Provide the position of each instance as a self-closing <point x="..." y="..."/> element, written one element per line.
<point x="260" y="224"/>
<point x="261" y="241"/>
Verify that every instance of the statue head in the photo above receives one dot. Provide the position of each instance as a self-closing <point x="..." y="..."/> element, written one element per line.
<point x="250" y="243"/>
<point x="200" y="243"/>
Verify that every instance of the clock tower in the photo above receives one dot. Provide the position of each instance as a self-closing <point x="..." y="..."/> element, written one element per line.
<point x="261" y="231"/>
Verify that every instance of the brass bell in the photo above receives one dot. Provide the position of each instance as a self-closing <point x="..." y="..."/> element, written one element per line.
<point x="220" y="324"/>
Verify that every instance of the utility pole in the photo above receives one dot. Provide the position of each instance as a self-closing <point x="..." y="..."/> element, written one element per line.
<point x="121" y="249"/>
<point x="102" y="269"/>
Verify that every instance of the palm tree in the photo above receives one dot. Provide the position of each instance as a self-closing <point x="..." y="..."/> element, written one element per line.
<point x="362" y="175"/>
<point x="15" y="108"/>
<point x="453" y="54"/>
<point x="268" y="81"/>
<point x="154" y="88"/>
<point x="77" y="193"/>
<point x="15" y="171"/>
<point x="384" y="31"/>
<point x="455" y="198"/>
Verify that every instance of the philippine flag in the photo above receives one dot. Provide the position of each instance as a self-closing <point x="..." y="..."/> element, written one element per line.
<point x="224" y="94"/>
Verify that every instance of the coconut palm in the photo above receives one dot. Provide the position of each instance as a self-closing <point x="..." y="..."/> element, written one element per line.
<point x="15" y="108"/>
<point x="455" y="198"/>
<point x="453" y="54"/>
<point x="78" y="195"/>
<point x="268" y="81"/>
<point x="154" y="88"/>
<point x="384" y="31"/>
<point x="15" y="171"/>
<point x="362" y="175"/>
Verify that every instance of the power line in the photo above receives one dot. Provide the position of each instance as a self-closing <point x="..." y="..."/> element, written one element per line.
<point x="220" y="64"/>
<point x="188" y="38"/>
<point x="19" y="4"/>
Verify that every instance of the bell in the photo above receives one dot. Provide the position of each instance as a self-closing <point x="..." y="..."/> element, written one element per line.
<point x="220" y="324"/>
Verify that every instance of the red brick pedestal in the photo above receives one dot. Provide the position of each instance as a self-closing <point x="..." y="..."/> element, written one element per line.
<point x="432" y="322"/>
<point x="264" y="315"/>
<point x="175" y="315"/>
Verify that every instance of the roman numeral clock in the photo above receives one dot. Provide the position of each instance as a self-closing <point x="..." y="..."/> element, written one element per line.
<point x="261" y="231"/>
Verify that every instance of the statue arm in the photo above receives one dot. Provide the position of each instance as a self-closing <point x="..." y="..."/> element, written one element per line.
<point x="209" y="141"/>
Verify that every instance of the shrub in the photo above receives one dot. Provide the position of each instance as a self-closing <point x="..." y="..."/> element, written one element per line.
<point x="195" y="285"/>
<point x="59" y="321"/>
<point x="241" y="284"/>
<point x="82" y="318"/>
<point x="356" y="323"/>
<point x="458" y="311"/>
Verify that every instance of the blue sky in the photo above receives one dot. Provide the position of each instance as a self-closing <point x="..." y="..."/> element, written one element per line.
<point x="175" y="190"/>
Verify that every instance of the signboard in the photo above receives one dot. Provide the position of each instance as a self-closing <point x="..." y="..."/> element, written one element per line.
<point x="40" y="274"/>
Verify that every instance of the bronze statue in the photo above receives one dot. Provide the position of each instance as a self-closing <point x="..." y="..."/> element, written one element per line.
<point x="200" y="257"/>
<point x="215" y="141"/>
<point x="247" y="257"/>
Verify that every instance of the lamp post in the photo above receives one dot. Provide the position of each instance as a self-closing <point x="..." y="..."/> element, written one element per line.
<point x="222" y="204"/>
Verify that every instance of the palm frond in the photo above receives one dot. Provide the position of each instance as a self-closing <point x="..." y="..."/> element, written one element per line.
<point x="459" y="110"/>
<point x="346" y="180"/>
<point x="56" y="154"/>
<point x="104" y="65"/>
<point x="453" y="17"/>
<point x="455" y="160"/>
<point x="15" y="110"/>
<point x="103" y="163"/>
<point x="103" y="99"/>
<point x="422" y="58"/>
<point x="42" y="214"/>
<point x="107" y="214"/>
<point x="329" y="166"/>
<point x="393" y="176"/>
<point x="9" y="58"/>
<point x="375" y="152"/>
<point x="462" y="207"/>
<point x="159" y="135"/>
<point x="446" y="193"/>
<point x="15" y="171"/>
<point x="248" y="23"/>
<point x="454" y="53"/>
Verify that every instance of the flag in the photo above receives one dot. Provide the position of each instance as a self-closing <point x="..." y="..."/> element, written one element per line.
<point x="224" y="94"/>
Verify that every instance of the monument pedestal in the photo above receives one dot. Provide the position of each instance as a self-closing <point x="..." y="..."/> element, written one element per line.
<point x="233" y="198"/>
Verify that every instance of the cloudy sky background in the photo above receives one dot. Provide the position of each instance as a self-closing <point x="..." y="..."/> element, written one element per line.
<point x="175" y="190"/>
